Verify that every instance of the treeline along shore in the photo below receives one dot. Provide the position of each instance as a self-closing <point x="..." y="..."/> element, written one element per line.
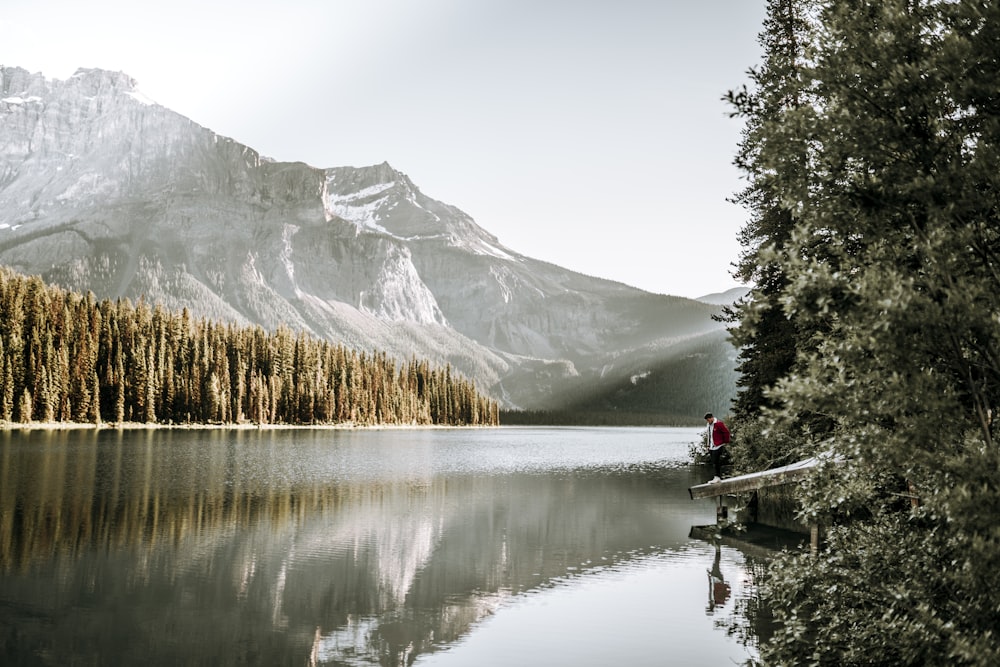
<point x="67" y="358"/>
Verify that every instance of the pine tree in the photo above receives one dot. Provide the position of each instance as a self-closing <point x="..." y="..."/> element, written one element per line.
<point x="94" y="409"/>
<point x="119" y="390"/>
<point x="25" y="412"/>
<point x="767" y="337"/>
<point x="891" y="268"/>
<point x="7" y="396"/>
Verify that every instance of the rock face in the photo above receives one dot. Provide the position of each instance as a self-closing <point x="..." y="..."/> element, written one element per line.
<point x="103" y="190"/>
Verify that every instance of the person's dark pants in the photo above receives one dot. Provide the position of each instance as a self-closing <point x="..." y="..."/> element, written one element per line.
<point x="716" y="455"/>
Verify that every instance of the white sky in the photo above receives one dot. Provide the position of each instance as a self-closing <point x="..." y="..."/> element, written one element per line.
<point x="587" y="133"/>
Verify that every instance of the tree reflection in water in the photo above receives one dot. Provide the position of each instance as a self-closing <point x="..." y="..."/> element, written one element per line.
<point x="167" y="547"/>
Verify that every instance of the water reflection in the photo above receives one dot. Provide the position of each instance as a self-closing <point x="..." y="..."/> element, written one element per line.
<point x="718" y="589"/>
<point x="278" y="548"/>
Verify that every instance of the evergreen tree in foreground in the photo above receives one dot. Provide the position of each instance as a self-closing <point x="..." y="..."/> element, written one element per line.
<point x="892" y="264"/>
<point x="66" y="358"/>
<point x="767" y="338"/>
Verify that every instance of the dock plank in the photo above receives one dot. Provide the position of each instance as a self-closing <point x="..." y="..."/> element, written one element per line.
<point x="756" y="480"/>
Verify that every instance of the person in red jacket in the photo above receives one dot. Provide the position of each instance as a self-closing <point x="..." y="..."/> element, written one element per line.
<point x="718" y="437"/>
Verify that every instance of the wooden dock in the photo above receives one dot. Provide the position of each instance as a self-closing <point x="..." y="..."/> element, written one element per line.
<point x="753" y="481"/>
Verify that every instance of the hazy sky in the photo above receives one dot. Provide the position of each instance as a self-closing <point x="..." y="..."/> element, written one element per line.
<point x="587" y="133"/>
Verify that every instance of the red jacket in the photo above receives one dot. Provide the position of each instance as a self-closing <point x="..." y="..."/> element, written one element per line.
<point x="720" y="434"/>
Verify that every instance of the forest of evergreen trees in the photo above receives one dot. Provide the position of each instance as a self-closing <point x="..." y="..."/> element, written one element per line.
<point x="872" y="332"/>
<point x="68" y="358"/>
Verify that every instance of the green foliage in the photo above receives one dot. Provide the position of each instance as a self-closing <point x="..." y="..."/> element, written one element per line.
<point x="886" y="164"/>
<point x="755" y="447"/>
<point x="66" y="358"/>
<point x="897" y="589"/>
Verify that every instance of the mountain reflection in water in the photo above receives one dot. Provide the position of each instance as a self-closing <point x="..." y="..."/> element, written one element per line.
<point x="314" y="547"/>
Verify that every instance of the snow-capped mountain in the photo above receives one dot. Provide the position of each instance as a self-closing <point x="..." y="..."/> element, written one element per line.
<point x="103" y="190"/>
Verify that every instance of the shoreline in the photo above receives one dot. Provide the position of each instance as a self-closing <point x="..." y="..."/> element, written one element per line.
<point x="141" y="426"/>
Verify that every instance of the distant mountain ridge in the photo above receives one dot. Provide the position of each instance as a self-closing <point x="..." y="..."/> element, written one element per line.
<point x="727" y="298"/>
<point x="103" y="190"/>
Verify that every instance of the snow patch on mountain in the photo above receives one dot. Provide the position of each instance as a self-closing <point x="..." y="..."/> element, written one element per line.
<point x="506" y="290"/>
<point x="250" y="272"/>
<point x="639" y="376"/>
<point x="361" y="207"/>
<point x="398" y="293"/>
<point x="287" y="232"/>
<point x="483" y="248"/>
<point x="140" y="97"/>
<point x="16" y="99"/>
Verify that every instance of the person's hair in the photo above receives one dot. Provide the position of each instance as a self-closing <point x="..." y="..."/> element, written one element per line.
<point x="708" y="415"/>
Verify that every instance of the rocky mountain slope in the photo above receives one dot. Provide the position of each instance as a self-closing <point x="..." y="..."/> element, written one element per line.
<point x="103" y="190"/>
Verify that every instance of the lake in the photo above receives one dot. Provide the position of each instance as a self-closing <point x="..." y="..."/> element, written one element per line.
<point x="430" y="547"/>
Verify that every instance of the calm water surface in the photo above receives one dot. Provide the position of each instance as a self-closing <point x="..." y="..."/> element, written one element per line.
<point x="509" y="546"/>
